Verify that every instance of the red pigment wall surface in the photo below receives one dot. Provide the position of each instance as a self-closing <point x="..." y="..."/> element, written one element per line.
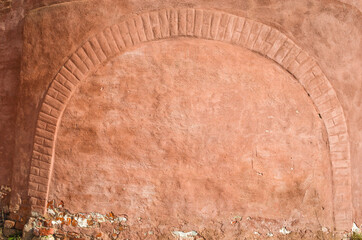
<point x="192" y="132"/>
<point x="330" y="31"/>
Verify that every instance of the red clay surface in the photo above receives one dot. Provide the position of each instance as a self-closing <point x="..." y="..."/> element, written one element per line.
<point x="193" y="132"/>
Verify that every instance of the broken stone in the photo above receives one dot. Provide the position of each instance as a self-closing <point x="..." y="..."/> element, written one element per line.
<point x="8" y="232"/>
<point x="284" y="231"/>
<point x="28" y="230"/>
<point x="9" y="224"/>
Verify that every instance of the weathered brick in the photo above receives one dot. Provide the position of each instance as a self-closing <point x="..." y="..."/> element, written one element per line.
<point x="84" y="58"/>
<point x="53" y="103"/>
<point x="44" y="133"/>
<point x="72" y="67"/>
<point x="38" y="179"/>
<point x="125" y="34"/>
<point x="155" y="24"/>
<point x="263" y="34"/>
<point x="244" y="36"/>
<point x="222" y="26"/>
<point x="147" y="26"/>
<point x="164" y="23"/>
<point x="174" y="22"/>
<point x="94" y="44"/>
<point x="46" y="118"/>
<point x="35" y="171"/>
<point x="254" y="33"/>
<point x="37" y="194"/>
<point x="283" y="51"/>
<point x="103" y="43"/>
<point x="230" y="28"/>
<point x="215" y="23"/>
<point x="190" y="20"/>
<point x="118" y="37"/>
<point x="206" y="24"/>
<point x="278" y="43"/>
<point x="40" y="164"/>
<point x="239" y="25"/>
<point x="133" y="31"/>
<point x="69" y="76"/>
<point x="111" y="41"/>
<point x="182" y="21"/>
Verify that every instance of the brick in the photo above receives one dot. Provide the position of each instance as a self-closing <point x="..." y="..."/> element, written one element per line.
<point x="239" y="25"/>
<point x="342" y="172"/>
<point x="164" y="23"/>
<point x="118" y="37"/>
<point x="103" y="43"/>
<point x="230" y="28"/>
<point x="44" y="133"/>
<point x="42" y="124"/>
<point x="69" y="76"/>
<point x="37" y="194"/>
<point x="37" y="179"/>
<point x="45" y="108"/>
<point x="222" y="27"/>
<point x="79" y="63"/>
<point x="34" y="171"/>
<point x="46" y="158"/>
<point x="341" y="164"/>
<point x="32" y="200"/>
<point x="72" y="68"/>
<point x="291" y="57"/>
<point x="206" y="24"/>
<point x="35" y="155"/>
<point x="43" y="149"/>
<point x="94" y="44"/>
<point x="155" y="24"/>
<point x="60" y="87"/>
<point x="140" y="28"/>
<point x="44" y="173"/>
<point x="174" y="22"/>
<point x="244" y="36"/>
<point x="190" y="22"/>
<point x="123" y="28"/>
<point x="133" y="31"/>
<point x="277" y="44"/>
<point x="111" y="41"/>
<point x="46" y="118"/>
<point x="254" y="33"/>
<point x="263" y="34"/>
<point x="147" y="26"/>
<point x="215" y="23"/>
<point x="40" y="164"/>
<point x="53" y="103"/>
<point x="336" y="129"/>
<point x="84" y="58"/>
<point x="182" y="21"/>
<point x="43" y="188"/>
<point x="199" y="16"/>
<point x="40" y="140"/>
<point x="61" y="98"/>
<point x="55" y="113"/>
<point x="52" y="92"/>
<point x="48" y="143"/>
<point x="335" y="156"/>
<point x="33" y="186"/>
<point x="339" y="147"/>
<point x="283" y="51"/>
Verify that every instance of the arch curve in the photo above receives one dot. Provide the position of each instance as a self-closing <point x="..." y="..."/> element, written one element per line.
<point x="192" y="23"/>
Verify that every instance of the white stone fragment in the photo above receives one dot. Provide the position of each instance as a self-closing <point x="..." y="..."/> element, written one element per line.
<point x="184" y="235"/>
<point x="355" y="228"/>
<point x="284" y="231"/>
<point x="269" y="234"/>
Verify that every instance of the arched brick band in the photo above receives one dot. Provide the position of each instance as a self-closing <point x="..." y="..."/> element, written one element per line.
<point x="195" y="23"/>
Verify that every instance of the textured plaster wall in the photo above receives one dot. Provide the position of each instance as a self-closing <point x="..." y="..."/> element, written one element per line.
<point x="328" y="30"/>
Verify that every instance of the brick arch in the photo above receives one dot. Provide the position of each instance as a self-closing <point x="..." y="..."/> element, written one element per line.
<point x="193" y="23"/>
